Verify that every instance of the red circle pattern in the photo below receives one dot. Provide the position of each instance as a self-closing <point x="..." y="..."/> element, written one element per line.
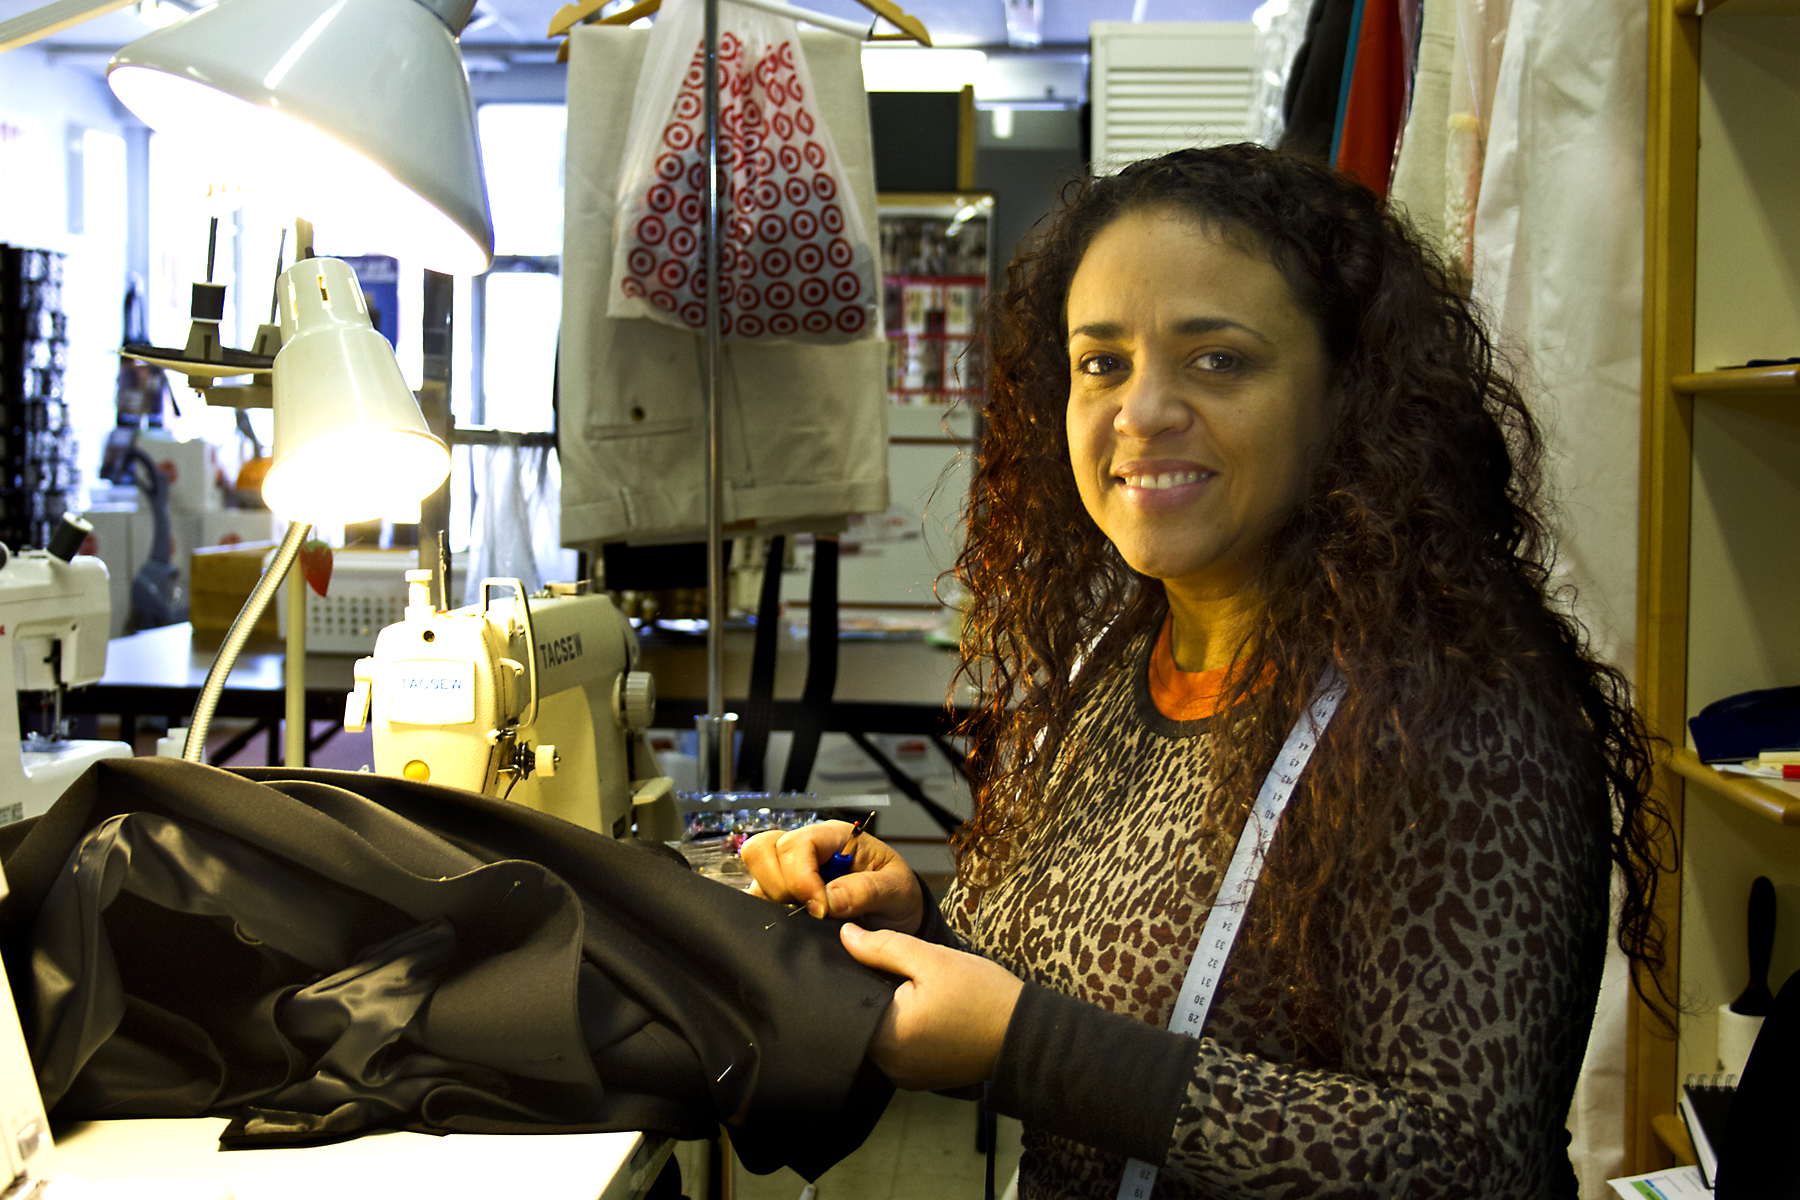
<point x="779" y="197"/>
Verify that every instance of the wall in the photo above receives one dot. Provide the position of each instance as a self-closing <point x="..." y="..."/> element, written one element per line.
<point x="1026" y="170"/>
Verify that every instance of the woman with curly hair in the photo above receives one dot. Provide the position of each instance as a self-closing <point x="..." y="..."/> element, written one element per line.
<point x="1249" y="453"/>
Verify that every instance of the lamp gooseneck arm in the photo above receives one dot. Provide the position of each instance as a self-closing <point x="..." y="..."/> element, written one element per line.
<point x="195" y="748"/>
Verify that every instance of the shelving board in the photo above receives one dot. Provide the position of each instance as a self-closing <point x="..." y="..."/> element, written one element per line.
<point x="1739" y="8"/>
<point x="1776" y="799"/>
<point x="1671" y="1132"/>
<point x="1761" y="380"/>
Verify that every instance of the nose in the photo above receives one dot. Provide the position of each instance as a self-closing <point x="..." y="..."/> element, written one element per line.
<point x="1150" y="404"/>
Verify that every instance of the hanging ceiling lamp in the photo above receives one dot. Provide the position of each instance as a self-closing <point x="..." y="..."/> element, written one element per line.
<point x="358" y="110"/>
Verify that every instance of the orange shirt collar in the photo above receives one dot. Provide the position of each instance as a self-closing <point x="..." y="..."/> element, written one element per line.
<point x="1182" y="695"/>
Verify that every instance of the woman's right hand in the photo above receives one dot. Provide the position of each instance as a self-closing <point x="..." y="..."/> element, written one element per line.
<point x="880" y="891"/>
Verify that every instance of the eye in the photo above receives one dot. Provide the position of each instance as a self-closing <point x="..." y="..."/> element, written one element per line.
<point x="1100" y="364"/>
<point x="1218" y="361"/>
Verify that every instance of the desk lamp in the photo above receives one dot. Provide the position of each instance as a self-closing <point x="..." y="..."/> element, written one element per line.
<point x="350" y="442"/>
<point x="361" y="109"/>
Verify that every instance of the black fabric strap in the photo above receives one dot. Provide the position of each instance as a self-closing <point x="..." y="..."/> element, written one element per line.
<point x="1105" y="1080"/>
<point x="907" y="786"/>
<point x="753" y="727"/>
<point x="821" y="667"/>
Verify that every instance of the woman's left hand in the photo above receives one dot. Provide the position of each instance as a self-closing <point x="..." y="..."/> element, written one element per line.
<point x="947" y="1021"/>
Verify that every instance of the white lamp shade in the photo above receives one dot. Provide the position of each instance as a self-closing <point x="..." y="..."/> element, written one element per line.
<point x="360" y="109"/>
<point x="350" y="442"/>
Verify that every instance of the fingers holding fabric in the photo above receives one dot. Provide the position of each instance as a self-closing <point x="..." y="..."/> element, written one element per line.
<point x="948" y="1019"/>
<point x="880" y="889"/>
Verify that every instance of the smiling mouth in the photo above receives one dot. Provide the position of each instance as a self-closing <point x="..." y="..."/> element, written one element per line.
<point x="1164" y="481"/>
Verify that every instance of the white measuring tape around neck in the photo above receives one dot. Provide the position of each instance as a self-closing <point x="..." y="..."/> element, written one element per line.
<point x="1239" y="884"/>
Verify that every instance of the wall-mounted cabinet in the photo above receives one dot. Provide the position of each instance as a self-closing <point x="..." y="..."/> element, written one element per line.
<point x="1719" y="586"/>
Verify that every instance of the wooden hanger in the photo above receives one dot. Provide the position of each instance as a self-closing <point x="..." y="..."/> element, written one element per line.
<point x="582" y="12"/>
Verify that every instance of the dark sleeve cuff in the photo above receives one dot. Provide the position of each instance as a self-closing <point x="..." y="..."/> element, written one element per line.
<point x="933" y="928"/>
<point x="1108" y="1081"/>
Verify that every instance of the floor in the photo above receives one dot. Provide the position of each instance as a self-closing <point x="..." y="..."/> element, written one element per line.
<point x="922" y="1149"/>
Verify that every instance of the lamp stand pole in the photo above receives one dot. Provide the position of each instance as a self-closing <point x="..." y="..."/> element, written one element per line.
<point x="294" y="724"/>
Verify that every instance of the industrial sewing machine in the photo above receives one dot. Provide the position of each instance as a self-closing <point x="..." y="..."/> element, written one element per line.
<point x="55" y="613"/>
<point x="529" y="698"/>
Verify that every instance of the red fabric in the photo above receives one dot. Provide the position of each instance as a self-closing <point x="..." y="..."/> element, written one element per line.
<point x="1376" y="108"/>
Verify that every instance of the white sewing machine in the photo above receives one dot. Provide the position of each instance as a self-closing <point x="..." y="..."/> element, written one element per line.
<point x="529" y="698"/>
<point x="54" y="618"/>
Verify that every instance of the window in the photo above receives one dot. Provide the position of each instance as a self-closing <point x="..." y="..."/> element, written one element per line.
<point x="516" y="308"/>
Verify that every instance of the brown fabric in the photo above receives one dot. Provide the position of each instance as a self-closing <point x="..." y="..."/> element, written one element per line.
<point x="322" y="952"/>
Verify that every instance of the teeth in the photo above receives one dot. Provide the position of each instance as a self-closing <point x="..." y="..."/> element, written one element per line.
<point x="1167" y="479"/>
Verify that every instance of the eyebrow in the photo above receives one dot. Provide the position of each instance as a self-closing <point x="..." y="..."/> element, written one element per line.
<point x="1106" y="330"/>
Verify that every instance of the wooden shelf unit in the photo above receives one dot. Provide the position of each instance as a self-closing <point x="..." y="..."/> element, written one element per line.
<point x="1718" y="601"/>
<point x="1778" y="800"/>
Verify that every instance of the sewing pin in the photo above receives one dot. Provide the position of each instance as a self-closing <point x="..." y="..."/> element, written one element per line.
<point x="790" y="912"/>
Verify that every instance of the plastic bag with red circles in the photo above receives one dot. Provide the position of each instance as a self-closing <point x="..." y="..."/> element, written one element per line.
<point x="795" y="259"/>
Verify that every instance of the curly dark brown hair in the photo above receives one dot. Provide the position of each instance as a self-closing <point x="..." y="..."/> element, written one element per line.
<point x="1417" y="564"/>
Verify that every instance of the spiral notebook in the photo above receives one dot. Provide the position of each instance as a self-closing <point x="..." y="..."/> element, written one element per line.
<point x="1705" y="1106"/>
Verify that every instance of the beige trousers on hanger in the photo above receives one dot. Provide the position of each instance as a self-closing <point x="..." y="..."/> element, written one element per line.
<point x="805" y="426"/>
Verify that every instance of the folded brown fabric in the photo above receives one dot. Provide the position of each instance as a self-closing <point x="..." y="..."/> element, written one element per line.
<point x="317" y="953"/>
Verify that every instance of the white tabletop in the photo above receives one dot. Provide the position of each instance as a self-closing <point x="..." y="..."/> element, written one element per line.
<point x="181" y="1158"/>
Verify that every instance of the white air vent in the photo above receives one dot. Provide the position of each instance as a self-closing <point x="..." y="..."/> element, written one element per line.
<point x="1166" y="85"/>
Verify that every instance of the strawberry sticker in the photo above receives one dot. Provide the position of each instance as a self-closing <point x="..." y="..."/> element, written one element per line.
<point x="315" y="565"/>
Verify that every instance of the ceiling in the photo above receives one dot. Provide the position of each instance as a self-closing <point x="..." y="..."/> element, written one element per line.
<point x="510" y="33"/>
<point x="951" y="22"/>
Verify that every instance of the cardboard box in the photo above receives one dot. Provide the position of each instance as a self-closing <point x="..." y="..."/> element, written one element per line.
<point x="223" y="578"/>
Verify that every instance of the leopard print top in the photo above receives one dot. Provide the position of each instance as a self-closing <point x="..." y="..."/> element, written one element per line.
<point x="1463" y="1006"/>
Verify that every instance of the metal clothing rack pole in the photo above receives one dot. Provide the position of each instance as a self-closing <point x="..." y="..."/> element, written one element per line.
<point x="716" y="741"/>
